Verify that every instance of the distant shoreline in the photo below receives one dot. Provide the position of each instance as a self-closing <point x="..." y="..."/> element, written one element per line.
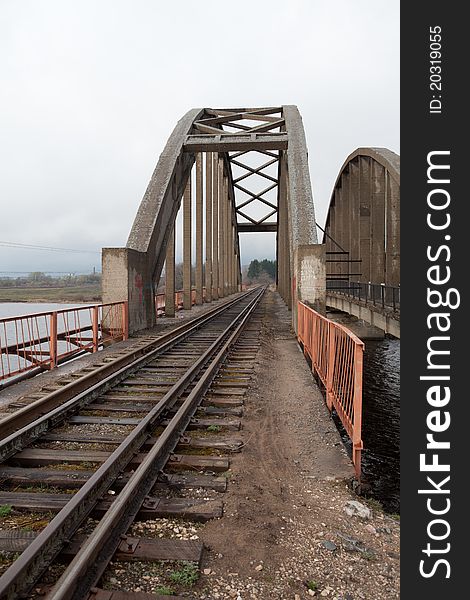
<point x="66" y="295"/>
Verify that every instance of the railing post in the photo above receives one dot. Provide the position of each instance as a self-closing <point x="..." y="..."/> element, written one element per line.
<point x="357" y="401"/>
<point x="53" y="341"/>
<point x="331" y="365"/>
<point x="125" y="320"/>
<point x="95" y="327"/>
<point x="382" y="294"/>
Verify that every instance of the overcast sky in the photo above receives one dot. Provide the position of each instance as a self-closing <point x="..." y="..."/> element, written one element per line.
<point x="91" y="89"/>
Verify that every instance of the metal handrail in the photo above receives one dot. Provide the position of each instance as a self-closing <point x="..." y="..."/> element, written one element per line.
<point x="377" y="294"/>
<point x="336" y="356"/>
<point x="43" y="340"/>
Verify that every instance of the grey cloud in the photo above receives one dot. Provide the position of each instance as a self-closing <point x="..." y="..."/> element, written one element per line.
<point x="91" y="91"/>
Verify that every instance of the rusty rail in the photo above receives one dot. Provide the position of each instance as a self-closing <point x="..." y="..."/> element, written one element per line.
<point x="336" y="356"/>
<point x="43" y="340"/>
<point x="89" y="563"/>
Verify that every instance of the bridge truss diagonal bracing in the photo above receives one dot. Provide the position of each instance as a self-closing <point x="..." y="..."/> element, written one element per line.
<point x="233" y="171"/>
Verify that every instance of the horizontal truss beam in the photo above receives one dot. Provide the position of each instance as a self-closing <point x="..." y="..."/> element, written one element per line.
<point x="231" y="142"/>
<point x="261" y="228"/>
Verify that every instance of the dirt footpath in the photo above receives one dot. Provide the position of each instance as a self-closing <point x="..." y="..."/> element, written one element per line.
<point x="285" y="533"/>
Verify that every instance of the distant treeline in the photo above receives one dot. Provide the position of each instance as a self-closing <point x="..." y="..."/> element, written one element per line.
<point x="41" y="280"/>
<point x="263" y="271"/>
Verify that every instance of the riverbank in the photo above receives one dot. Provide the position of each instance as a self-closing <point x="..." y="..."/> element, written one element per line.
<point x="79" y="293"/>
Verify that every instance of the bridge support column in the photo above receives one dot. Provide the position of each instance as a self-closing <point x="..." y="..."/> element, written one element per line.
<point x="310" y="279"/>
<point x="187" y="301"/>
<point x="221" y="228"/>
<point x="170" y="277"/>
<point x="199" y="229"/>
<point x="233" y="285"/>
<point x="215" y="226"/>
<point x="208" y="277"/>
<point x="228" y="234"/>
<point x="127" y="276"/>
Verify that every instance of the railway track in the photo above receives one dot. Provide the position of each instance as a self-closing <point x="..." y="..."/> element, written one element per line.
<point x="101" y="455"/>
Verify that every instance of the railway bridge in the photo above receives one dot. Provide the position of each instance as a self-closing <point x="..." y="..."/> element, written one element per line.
<point x="250" y="175"/>
<point x="147" y="431"/>
<point x="245" y="170"/>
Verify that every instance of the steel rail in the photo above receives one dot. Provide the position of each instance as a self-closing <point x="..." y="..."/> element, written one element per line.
<point x="22" y="422"/>
<point x="26" y="570"/>
<point x="90" y="563"/>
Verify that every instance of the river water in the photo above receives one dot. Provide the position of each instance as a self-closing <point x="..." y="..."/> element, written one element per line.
<point x="19" y="333"/>
<point x="381" y="421"/>
<point x="17" y="309"/>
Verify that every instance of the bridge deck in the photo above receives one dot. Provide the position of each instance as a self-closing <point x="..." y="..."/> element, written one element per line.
<point x="286" y="495"/>
<point x="384" y="318"/>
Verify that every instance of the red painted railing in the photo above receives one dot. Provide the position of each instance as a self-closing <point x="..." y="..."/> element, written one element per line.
<point x="42" y="340"/>
<point x="160" y="301"/>
<point x="336" y="355"/>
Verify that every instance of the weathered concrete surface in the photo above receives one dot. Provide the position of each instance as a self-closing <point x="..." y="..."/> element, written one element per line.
<point x="302" y="229"/>
<point x="364" y="331"/>
<point x="364" y="216"/>
<point x="309" y="261"/>
<point x="151" y="229"/>
<point x="126" y="276"/>
<point x="302" y="212"/>
<point x="157" y="213"/>
<point x="382" y="318"/>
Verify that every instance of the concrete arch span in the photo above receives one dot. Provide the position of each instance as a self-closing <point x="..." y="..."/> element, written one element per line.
<point x="226" y="137"/>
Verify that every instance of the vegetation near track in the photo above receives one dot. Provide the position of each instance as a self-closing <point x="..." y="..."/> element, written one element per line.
<point x="187" y="575"/>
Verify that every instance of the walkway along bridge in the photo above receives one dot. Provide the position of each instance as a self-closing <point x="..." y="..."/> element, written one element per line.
<point x="236" y="171"/>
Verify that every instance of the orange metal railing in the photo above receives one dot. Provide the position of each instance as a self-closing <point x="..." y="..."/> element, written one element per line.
<point x="336" y="356"/>
<point x="160" y="300"/>
<point x="42" y="340"/>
